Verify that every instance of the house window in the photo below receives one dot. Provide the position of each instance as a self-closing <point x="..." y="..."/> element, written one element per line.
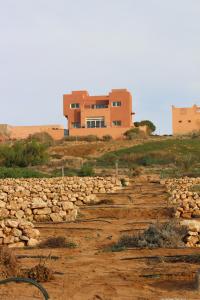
<point x="116" y="103"/>
<point x="76" y="125"/>
<point x="117" y="123"/>
<point x="180" y="121"/>
<point x="74" y="105"/>
<point x="97" y="106"/>
<point x="97" y="122"/>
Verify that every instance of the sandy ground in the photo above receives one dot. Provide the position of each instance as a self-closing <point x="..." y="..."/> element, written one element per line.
<point x="89" y="273"/>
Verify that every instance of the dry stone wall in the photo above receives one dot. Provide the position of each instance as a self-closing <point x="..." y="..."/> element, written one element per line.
<point x="23" y="201"/>
<point x="187" y="204"/>
<point x="54" y="199"/>
<point x="18" y="233"/>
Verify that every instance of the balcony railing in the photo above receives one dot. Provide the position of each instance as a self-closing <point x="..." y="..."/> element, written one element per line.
<point x="97" y="106"/>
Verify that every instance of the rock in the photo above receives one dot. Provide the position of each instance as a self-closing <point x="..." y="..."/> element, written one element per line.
<point x="42" y="211"/>
<point x="31" y="233"/>
<point x="32" y="243"/>
<point x="24" y="238"/>
<point x="11" y="223"/>
<point x="17" y="232"/>
<point x="2" y="204"/>
<point x="186" y="215"/>
<point x="8" y="239"/>
<point x="19" y="214"/>
<point x="41" y="218"/>
<point x="38" y="203"/>
<point x="196" y="214"/>
<point x="1" y="233"/>
<point x="55" y="217"/>
<point x="16" y="245"/>
<point x="193" y="239"/>
<point x="4" y="213"/>
<point x="67" y="205"/>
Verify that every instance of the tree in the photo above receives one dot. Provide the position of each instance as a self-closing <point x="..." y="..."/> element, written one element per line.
<point x="150" y="126"/>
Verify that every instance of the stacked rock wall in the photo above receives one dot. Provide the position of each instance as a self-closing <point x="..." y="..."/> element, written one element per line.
<point x="18" y="233"/>
<point x="187" y="204"/>
<point x="52" y="199"/>
<point x="181" y="195"/>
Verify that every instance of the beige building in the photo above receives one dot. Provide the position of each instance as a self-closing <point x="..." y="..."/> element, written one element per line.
<point x="185" y="120"/>
<point x="8" y="132"/>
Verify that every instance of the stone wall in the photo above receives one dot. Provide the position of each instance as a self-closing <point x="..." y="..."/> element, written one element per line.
<point x="186" y="201"/>
<point x="18" y="233"/>
<point x="23" y="201"/>
<point x="187" y="206"/>
<point x="52" y="199"/>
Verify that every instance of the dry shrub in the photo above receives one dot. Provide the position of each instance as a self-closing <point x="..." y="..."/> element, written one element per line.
<point x="167" y="235"/>
<point x="40" y="273"/>
<point x="101" y="202"/>
<point x="57" y="242"/>
<point x="8" y="263"/>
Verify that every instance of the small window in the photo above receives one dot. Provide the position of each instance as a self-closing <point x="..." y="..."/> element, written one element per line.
<point x="116" y="123"/>
<point x="189" y="121"/>
<point x="116" y="103"/>
<point x="76" y="125"/>
<point x="180" y="121"/>
<point x="74" y="105"/>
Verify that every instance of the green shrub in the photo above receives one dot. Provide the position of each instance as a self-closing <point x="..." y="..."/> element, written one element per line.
<point x="23" y="154"/>
<point x="20" y="173"/>
<point x="186" y="162"/>
<point x="42" y="137"/>
<point x="86" y="170"/>
<point x="132" y="133"/>
<point x="151" y="127"/>
<point x="195" y="188"/>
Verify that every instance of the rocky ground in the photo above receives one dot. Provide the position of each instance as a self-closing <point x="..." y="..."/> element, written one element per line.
<point x="89" y="273"/>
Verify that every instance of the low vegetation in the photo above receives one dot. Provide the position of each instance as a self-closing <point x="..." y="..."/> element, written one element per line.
<point x="57" y="242"/>
<point x="40" y="273"/>
<point x="23" y="154"/>
<point x="172" y="152"/>
<point x="20" y="173"/>
<point x="8" y="263"/>
<point x="86" y="138"/>
<point x="167" y="235"/>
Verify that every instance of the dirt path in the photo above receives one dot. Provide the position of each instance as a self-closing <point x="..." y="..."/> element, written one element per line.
<point x="88" y="273"/>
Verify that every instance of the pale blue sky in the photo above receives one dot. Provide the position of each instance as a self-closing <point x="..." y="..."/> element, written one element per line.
<point x="50" y="47"/>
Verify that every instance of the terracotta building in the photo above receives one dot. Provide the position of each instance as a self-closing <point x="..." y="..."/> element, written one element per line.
<point x="185" y="120"/>
<point x="98" y="115"/>
<point x="8" y="132"/>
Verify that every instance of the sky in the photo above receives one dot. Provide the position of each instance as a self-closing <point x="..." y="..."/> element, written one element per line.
<point x="50" y="47"/>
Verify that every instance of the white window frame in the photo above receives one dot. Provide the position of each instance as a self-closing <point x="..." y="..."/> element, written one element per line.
<point x="95" y="122"/>
<point x="117" y="123"/>
<point x="75" y="105"/>
<point x="116" y="104"/>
